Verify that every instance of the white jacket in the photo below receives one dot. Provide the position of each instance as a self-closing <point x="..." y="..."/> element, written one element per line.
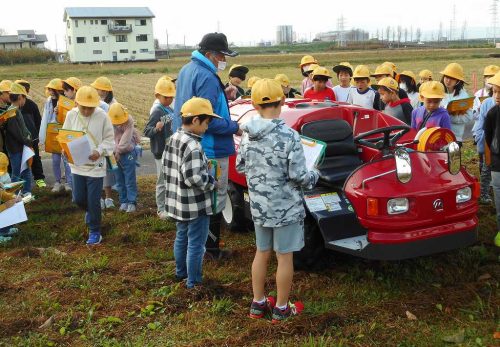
<point x="99" y="125"/>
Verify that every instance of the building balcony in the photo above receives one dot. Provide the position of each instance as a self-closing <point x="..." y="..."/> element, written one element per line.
<point x="119" y="29"/>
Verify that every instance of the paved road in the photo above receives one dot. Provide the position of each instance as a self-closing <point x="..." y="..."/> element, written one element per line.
<point x="147" y="167"/>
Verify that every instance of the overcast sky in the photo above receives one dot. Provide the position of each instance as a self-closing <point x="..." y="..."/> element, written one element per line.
<point x="247" y="22"/>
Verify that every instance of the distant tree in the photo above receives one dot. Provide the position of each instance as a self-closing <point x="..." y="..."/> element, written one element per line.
<point x="399" y="33"/>
<point x="388" y="33"/>
<point x="419" y="34"/>
<point x="157" y="44"/>
<point x="3" y="32"/>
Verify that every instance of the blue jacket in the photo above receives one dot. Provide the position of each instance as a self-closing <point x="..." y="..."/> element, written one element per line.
<point x="477" y="129"/>
<point x="199" y="78"/>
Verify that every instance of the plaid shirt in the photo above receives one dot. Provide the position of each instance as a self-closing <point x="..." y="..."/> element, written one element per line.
<point x="187" y="180"/>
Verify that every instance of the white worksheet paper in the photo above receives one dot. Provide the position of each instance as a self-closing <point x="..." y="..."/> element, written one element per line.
<point x="27" y="154"/>
<point x="80" y="150"/>
<point x="312" y="151"/>
<point x="14" y="215"/>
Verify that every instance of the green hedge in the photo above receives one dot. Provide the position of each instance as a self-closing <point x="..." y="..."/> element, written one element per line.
<point x="25" y="55"/>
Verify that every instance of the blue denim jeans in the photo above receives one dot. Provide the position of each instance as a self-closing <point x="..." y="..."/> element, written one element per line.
<point x="56" y="166"/>
<point x="17" y="175"/>
<point x="189" y="248"/>
<point x="87" y="195"/>
<point x="126" y="180"/>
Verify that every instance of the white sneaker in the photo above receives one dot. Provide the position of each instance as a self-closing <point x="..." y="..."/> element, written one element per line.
<point x="68" y="188"/>
<point x="109" y="203"/>
<point x="57" y="187"/>
<point x="131" y="208"/>
<point x="124" y="207"/>
<point x="163" y="215"/>
<point x="102" y="204"/>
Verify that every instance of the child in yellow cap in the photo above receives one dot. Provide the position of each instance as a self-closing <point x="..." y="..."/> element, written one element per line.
<point x="189" y="189"/>
<point x="270" y="149"/>
<point x="407" y="82"/>
<point x="431" y="114"/>
<point x="319" y="91"/>
<point x="237" y="74"/>
<point x="7" y="200"/>
<point x="344" y="76"/>
<point x="126" y="140"/>
<point x="284" y="81"/>
<point x="362" y="95"/>
<point x="88" y="178"/>
<point x="492" y="137"/>
<point x="159" y="129"/>
<point x="425" y="76"/>
<point x="307" y="64"/>
<point x="485" y="92"/>
<point x="454" y="82"/>
<point x="251" y="81"/>
<point x="394" y="106"/>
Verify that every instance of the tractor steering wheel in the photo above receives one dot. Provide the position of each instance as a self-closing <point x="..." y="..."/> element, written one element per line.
<point x="385" y="142"/>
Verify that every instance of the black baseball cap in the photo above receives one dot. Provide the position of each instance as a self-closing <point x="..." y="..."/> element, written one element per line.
<point x="217" y="42"/>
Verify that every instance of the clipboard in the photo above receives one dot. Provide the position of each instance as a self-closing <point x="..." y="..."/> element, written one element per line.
<point x="459" y="107"/>
<point x="12" y="187"/>
<point x="214" y="171"/>
<point x="51" y="143"/>
<point x="8" y="113"/>
<point x="64" y="105"/>
<point x="64" y="137"/>
<point x="314" y="151"/>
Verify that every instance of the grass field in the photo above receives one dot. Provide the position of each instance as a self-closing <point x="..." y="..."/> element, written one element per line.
<point x="123" y="293"/>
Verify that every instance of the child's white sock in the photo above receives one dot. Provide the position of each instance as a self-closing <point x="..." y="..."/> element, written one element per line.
<point x="283" y="308"/>
<point x="260" y="302"/>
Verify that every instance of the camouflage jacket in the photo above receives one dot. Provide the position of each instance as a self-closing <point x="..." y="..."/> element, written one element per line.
<point x="272" y="158"/>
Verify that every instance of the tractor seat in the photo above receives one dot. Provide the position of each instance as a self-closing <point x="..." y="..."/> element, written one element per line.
<point x="341" y="155"/>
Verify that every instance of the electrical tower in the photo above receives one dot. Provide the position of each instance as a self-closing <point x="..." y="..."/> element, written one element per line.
<point x="340" y="29"/>
<point x="494" y="19"/>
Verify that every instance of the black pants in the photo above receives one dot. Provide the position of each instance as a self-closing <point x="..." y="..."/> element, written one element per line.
<point x="36" y="167"/>
<point x="213" y="239"/>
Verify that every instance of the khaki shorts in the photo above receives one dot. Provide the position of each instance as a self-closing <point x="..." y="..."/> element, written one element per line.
<point x="285" y="239"/>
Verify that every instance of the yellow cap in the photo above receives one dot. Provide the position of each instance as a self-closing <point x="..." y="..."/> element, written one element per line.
<point x="495" y="80"/>
<point x="455" y="71"/>
<point x="74" y="82"/>
<point x="22" y="82"/>
<point x="165" y="87"/>
<point x="5" y="85"/>
<point x="307" y="59"/>
<point x="87" y="96"/>
<point x="343" y="66"/>
<point x="432" y="90"/>
<point x="55" y="84"/>
<point x="361" y="71"/>
<point x="102" y="83"/>
<point x="4" y="163"/>
<point x="391" y="64"/>
<point x="251" y="81"/>
<point x="197" y="107"/>
<point x="383" y="69"/>
<point x="425" y="74"/>
<point x="321" y="71"/>
<point x="491" y="70"/>
<point x="167" y="77"/>
<point x="266" y="91"/>
<point x="282" y="79"/>
<point x="311" y="67"/>
<point x="16" y="88"/>
<point x="238" y="67"/>
<point x="389" y="83"/>
<point x="118" y="114"/>
<point x="407" y="73"/>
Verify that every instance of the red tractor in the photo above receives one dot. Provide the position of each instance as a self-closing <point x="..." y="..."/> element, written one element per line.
<point x="385" y="191"/>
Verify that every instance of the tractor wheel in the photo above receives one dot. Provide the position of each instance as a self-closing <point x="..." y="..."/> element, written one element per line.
<point x="311" y="256"/>
<point x="233" y="213"/>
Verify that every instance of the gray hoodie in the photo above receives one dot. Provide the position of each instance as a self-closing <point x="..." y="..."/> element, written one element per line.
<point x="272" y="158"/>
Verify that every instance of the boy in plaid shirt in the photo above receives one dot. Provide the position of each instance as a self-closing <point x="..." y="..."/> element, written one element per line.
<point x="189" y="188"/>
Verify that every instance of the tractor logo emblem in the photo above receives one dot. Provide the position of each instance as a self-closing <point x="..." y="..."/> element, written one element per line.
<point x="438" y="205"/>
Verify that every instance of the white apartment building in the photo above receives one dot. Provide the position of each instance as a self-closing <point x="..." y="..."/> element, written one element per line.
<point x="100" y="34"/>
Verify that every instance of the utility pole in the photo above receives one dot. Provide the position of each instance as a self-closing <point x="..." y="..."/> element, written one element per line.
<point x="494" y="19"/>
<point x="340" y="29"/>
<point x="168" y="49"/>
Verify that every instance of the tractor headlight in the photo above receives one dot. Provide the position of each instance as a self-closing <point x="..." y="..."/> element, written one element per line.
<point x="397" y="206"/>
<point x="464" y="195"/>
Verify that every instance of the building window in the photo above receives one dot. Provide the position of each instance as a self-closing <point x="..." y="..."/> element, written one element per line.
<point x="121" y="38"/>
<point x="96" y="38"/>
<point x="84" y="22"/>
<point x="134" y="52"/>
<point x="68" y="24"/>
<point x="104" y="21"/>
<point x="140" y="38"/>
<point x="120" y="22"/>
<point x="123" y="50"/>
<point x="144" y="50"/>
<point x="104" y="39"/>
<point x="140" y="22"/>
<point x="97" y="51"/>
<point x="76" y="23"/>
<point x="91" y="22"/>
<point x="80" y="39"/>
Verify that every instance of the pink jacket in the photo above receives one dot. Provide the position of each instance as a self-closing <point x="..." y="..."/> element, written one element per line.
<point x="307" y="83"/>
<point x="126" y="137"/>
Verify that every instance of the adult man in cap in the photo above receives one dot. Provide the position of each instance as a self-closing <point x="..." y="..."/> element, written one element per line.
<point x="199" y="78"/>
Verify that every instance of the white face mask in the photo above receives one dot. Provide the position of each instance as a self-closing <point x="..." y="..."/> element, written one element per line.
<point x="221" y="65"/>
<point x="487" y="86"/>
<point x="403" y="86"/>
